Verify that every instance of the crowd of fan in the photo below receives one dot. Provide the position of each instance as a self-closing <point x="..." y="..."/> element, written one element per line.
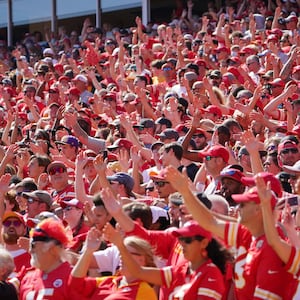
<point x="173" y="146"/>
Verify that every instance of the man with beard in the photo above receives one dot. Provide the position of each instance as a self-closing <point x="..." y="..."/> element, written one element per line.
<point x="13" y="227"/>
<point x="50" y="273"/>
<point x="231" y="183"/>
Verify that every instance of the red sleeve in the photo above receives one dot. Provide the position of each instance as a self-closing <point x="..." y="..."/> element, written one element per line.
<point x="83" y="286"/>
<point x="162" y="241"/>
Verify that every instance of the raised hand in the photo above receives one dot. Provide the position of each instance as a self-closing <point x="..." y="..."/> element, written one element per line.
<point x="93" y="240"/>
<point x="4" y="183"/>
<point x="112" y="235"/>
<point x="100" y="164"/>
<point x="112" y="205"/>
<point x="264" y="190"/>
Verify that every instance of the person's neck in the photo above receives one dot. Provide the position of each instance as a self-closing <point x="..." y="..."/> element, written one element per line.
<point x="194" y="265"/>
<point x="256" y="230"/>
<point x="51" y="266"/>
<point x="12" y="247"/>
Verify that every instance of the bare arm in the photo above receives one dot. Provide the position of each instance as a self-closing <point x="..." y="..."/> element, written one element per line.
<point x="151" y="275"/>
<point x="200" y="213"/>
<point x="79" y="184"/>
<point x="282" y="248"/>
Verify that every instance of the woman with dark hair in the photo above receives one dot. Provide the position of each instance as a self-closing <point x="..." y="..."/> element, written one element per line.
<point x="201" y="275"/>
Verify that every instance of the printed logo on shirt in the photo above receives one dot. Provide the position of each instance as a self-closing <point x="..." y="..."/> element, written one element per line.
<point x="271" y="272"/>
<point x="211" y="279"/>
<point x="58" y="283"/>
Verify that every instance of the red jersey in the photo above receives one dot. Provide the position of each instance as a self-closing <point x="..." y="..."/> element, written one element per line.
<point x="112" y="288"/>
<point x="162" y="241"/>
<point x="205" y="283"/>
<point x="37" y="285"/>
<point x="21" y="260"/>
<point x="68" y="193"/>
<point x="259" y="272"/>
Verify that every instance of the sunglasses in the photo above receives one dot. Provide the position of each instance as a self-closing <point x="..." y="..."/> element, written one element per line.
<point x="292" y="150"/>
<point x="167" y="69"/>
<point x="15" y="223"/>
<point x="214" y="77"/>
<point x="160" y="183"/>
<point x="189" y="239"/>
<point x="198" y="136"/>
<point x="68" y="208"/>
<point x="59" y="170"/>
<point x="150" y="189"/>
<point x="209" y="157"/>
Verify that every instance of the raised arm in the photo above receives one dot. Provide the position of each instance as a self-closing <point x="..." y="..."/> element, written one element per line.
<point x="151" y="275"/>
<point x="200" y="213"/>
<point x="79" y="184"/>
<point x="282" y="248"/>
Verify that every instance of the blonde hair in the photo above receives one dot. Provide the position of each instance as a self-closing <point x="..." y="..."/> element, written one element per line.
<point x="6" y="263"/>
<point x="143" y="248"/>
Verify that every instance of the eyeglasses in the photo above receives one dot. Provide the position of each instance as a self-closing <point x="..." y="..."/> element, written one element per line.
<point x="160" y="183"/>
<point x="15" y="223"/>
<point x="32" y="200"/>
<point x="189" y="239"/>
<point x="59" y="170"/>
<point x="209" y="157"/>
<point x="167" y="69"/>
<point x="292" y="150"/>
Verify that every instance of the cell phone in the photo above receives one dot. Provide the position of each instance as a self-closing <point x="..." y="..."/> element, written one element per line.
<point x="104" y="154"/>
<point x="293" y="201"/>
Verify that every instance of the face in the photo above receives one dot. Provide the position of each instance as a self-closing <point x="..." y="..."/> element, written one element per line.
<point x="191" y="247"/>
<point x="270" y="166"/>
<point x="72" y="215"/>
<point x="34" y="169"/>
<point x="247" y="212"/>
<point x="69" y="151"/>
<point x="89" y="170"/>
<point x="230" y="187"/>
<point x="12" y="229"/>
<point x="58" y="178"/>
<point x="40" y="253"/>
<point x="289" y="156"/>
<point x="174" y="212"/>
<point x="137" y="256"/>
<point x="164" y="188"/>
<point x="101" y="217"/>
<point x="34" y="207"/>
<point x="165" y="158"/>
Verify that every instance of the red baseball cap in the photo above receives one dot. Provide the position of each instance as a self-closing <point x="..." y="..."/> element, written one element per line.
<point x="213" y="109"/>
<point x="49" y="229"/>
<point x="277" y="82"/>
<point x="120" y="143"/>
<point x="191" y="229"/>
<point x="216" y="151"/>
<point x="287" y="144"/>
<point x="251" y="195"/>
<point x="73" y="91"/>
<point x="267" y="177"/>
<point x="231" y="173"/>
<point x="73" y="202"/>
